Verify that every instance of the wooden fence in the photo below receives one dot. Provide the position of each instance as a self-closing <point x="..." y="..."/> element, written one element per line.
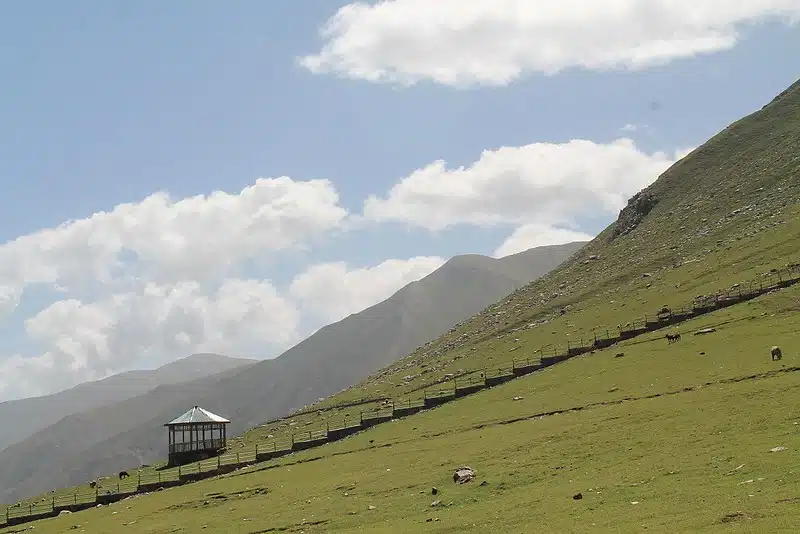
<point x="431" y="396"/>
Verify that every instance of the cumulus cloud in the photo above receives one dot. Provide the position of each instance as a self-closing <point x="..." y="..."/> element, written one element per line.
<point x="194" y="238"/>
<point x="493" y="42"/>
<point x="538" y="235"/>
<point x="162" y="278"/>
<point x="84" y="341"/>
<point x="542" y="184"/>
<point x="89" y="340"/>
<point x="332" y="291"/>
<point x="159" y="278"/>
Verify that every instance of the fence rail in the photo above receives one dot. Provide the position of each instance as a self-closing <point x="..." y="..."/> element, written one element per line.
<point x="432" y="395"/>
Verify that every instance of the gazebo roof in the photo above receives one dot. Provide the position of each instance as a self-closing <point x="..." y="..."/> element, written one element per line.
<point x="197" y="415"/>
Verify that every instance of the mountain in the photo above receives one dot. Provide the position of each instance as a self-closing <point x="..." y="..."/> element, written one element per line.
<point x="130" y="432"/>
<point x="22" y="418"/>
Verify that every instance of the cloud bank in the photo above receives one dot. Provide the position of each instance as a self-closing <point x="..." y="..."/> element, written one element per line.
<point x="161" y="278"/>
<point x="461" y="43"/>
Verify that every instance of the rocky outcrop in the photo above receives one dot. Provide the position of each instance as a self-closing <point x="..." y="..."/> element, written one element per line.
<point x="634" y="213"/>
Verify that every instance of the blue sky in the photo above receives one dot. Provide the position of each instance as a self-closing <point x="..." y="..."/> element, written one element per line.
<point x="107" y="103"/>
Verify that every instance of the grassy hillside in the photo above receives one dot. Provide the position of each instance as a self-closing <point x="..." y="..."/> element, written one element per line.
<point x="130" y="433"/>
<point x="22" y="418"/>
<point x="620" y="437"/>
<point x="666" y="438"/>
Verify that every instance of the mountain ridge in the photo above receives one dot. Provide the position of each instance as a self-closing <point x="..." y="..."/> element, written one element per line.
<point x="21" y="418"/>
<point x="334" y="357"/>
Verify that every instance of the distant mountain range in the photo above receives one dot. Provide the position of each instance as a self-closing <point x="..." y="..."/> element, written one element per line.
<point x="103" y="428"/>
<point x="22" y="418"/>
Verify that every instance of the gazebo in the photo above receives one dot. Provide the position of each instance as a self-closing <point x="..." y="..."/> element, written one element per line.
<point x="195" y="435"/>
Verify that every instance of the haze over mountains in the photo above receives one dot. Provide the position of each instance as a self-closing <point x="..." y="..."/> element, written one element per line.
<point x="22" y="418"/>
<point x="101" y="429"/>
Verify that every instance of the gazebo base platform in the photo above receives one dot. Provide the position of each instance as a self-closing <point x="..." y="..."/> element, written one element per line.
<point x="182" y="458"/>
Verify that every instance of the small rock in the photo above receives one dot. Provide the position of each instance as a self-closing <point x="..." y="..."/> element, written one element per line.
<point x="371" y="507"/>
<point x="463" y="475"/>
<point x="578" y="496"/>
<point x="437" y="502"/>
<point x="517" y="398"/>
<point x="434" y="491"/>
<point x="484" y="483"/>
<point x="777" y="449"/>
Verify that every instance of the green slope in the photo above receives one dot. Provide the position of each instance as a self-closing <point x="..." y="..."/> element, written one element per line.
<point x="683" y="430"/>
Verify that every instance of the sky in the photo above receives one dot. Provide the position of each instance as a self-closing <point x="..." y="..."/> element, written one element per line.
<point x="194" y="176"/>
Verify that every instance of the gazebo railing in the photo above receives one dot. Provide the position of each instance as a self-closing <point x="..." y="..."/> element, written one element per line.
<point x="201" y="445"/>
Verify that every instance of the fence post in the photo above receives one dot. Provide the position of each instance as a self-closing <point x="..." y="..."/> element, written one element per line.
<point x="179" y="471"/>
<point x="218" y="462"/>
<point x="159" y="477"/>
<point x="30" y="509"/>
<point x="237" y="458"/>
<point x="54" y="502"/>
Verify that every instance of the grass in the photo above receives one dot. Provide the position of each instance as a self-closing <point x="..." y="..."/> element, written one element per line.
<point x="676" y="454"/>
<point x="684" y="430"/>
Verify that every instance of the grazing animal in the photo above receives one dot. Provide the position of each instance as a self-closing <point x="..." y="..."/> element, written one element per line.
<point x="123" y="474"/>
<point x="673" y="338"/>
<point x="93" y="484"/>
<point x="776" y="353"/>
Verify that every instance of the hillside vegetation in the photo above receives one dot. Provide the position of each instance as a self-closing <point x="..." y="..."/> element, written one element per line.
<point x="129" y="433"/>
<point x="693" y="436"/>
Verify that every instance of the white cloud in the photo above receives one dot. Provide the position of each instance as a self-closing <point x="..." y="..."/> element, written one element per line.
<point x="84" y="341"/>
<point x="538" y="235"/>
<point x="158" y="279"/>
<point x="89" y="340"/>
<point x="9" y="300"/>
<point x="544" y="184"/>
<point x="332" y="291"/>
<point x="191" y="239"/>
<point x="493" y="42"/>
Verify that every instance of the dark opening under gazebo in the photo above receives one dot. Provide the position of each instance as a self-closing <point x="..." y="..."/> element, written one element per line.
<point x="196" y="435"/>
